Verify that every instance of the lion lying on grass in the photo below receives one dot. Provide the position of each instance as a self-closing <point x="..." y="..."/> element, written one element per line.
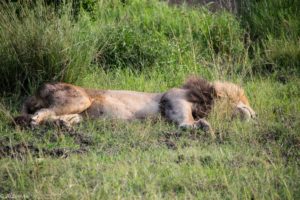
<point x="186" y="106"/>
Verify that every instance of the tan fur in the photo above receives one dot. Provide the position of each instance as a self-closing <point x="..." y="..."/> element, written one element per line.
<point x="234" y="96"/>
<point x="230" y="91"/>
<point x="186" y="106"/>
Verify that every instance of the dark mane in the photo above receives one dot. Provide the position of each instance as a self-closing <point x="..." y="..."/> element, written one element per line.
<point x="202" y="94"/>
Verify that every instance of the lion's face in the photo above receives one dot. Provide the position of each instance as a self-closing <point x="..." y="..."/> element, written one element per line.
<point x="244" y="112"/>
<point x="236" y="99"/>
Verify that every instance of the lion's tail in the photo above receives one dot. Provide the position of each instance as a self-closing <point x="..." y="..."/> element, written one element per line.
<point x="202" y="94"/>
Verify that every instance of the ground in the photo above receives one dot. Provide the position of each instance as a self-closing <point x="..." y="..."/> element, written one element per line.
<point x="153" y="159"/>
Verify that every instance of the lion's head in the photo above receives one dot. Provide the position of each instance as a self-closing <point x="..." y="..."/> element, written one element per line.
<point x="234" y="97"/>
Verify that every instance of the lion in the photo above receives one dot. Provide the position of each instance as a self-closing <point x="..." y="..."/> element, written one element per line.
<point x="187" y="106"/>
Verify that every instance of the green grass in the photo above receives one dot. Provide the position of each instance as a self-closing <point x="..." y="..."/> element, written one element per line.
<point x="139" y="160"/>
<point x="38" y="45"/>
<point x="149" y="46"/>
<point x="274" y="25"/>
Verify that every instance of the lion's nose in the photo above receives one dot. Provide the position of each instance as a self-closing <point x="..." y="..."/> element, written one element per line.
<point x="253" y="114"/>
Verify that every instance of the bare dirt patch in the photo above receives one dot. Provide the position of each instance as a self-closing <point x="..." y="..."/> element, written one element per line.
<point x="23" y="149"/>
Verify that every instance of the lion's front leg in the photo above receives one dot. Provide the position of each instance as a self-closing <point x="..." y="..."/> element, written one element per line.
<point x="205" y="126"/>
<point x="199" y="124"/>
<point x="180" y="111"/>
<point x="68" y="120"/>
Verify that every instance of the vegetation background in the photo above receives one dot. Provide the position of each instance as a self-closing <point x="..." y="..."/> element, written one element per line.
<point x="149" y="45"/>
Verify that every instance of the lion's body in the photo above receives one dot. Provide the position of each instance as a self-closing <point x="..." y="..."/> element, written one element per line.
<point x="120" y="104"/>
<point x="186" y="106"/>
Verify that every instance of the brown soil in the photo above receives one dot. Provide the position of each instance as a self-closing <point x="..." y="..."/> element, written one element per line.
<point x="22" y="149"/>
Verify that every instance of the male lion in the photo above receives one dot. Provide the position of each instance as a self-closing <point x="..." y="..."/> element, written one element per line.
<point x="186" y="106"/>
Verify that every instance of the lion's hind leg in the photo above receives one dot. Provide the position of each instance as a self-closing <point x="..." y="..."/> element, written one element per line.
<point x="67" y="120"/>
<point x="59" y="99"/>
<point x="64" y="98"/>
<point x="42" y="115"/>
<point x="45" y="115"/>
